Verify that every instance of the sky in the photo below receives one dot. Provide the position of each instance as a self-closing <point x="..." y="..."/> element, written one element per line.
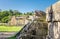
<point x="26" y="5"/>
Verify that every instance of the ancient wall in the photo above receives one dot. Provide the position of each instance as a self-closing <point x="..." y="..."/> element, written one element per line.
<point x="53" y="19"/>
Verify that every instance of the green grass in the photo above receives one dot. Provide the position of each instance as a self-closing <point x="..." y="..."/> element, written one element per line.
<point x="12" y="38"/>
<point x="10" y="28"/>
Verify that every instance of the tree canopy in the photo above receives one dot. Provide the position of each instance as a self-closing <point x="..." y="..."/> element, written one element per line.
<point x="6" y="15"/>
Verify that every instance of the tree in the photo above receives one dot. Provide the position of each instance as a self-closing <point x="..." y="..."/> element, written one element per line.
<point x="11" y="12"/>
<point x="6" y="14"/>
<point x="29" y="13"/>
<point x="17" y="13"/>
<point x="5" y="19"/>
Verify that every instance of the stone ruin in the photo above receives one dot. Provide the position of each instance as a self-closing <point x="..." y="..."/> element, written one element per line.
<point x="33" y="30"/>
<point x="53" y="19"/>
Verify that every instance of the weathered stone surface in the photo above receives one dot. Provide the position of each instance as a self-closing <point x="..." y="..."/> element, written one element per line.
<point x="56" y="12"/>
<point x="53" y="19"/>
<point x="36" y="30"/>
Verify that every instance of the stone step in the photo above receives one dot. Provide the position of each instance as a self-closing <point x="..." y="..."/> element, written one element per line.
<point x="4" y="35"/>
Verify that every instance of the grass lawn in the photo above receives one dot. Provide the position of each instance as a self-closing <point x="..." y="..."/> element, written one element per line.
<point x="12" y="38"/>
<point x="10" y="28"/>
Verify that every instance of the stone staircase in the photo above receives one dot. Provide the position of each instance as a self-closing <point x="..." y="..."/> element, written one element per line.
<point x="33" y="30"/>
<point x="5" y="35"/>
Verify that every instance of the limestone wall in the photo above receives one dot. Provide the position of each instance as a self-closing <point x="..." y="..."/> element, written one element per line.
<point x="56" y="12"/>
<point x="53" y="19"/>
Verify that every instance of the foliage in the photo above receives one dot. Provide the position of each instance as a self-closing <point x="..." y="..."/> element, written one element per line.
<point x="6" y="15"/>
<point x="5" y="19"/>
<point x="29" y="13"/>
